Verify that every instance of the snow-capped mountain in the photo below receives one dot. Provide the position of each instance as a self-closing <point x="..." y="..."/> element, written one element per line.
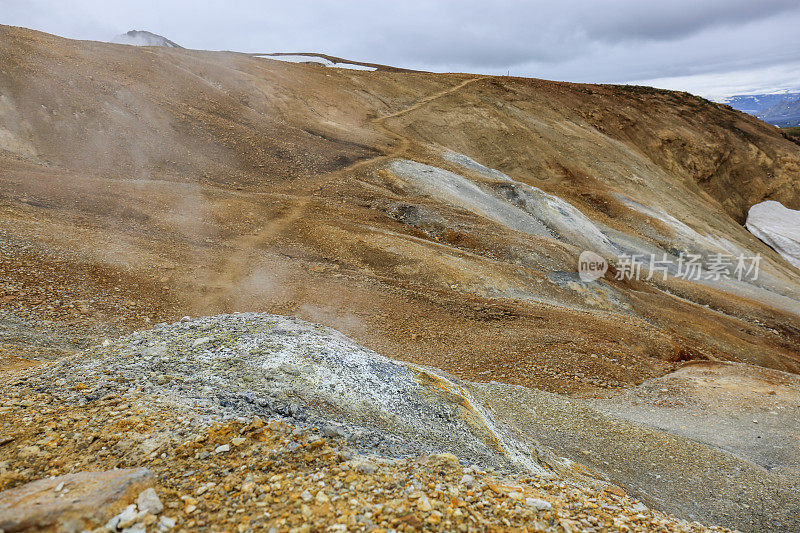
<point x="779" y="109"/>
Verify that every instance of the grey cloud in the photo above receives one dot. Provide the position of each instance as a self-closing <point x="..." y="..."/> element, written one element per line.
<point x="621" y="20"/>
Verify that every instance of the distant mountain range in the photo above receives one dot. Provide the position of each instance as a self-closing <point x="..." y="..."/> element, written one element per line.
<point x="144" y="38"/>
<point x="781" y="109"/>
<point x="785" y="113"/>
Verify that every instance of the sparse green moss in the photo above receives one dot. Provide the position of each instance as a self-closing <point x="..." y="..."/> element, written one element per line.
<point x="792" y="133"/>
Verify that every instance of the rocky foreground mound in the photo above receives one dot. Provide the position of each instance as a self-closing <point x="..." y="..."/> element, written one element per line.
<point x="239" y="365"/>
<point x="248" y="421"/>
<point x="266" y="476"/>
<point x="223" y="372"/>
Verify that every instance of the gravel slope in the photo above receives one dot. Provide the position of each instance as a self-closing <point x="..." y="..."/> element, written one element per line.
<point x="266" y="474"/>
<point x="233" y="367"/>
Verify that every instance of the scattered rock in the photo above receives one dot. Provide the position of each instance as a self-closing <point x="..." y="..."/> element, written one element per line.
<point x="29" y="451"/>
<point x="444" y="460"/>
<point x="149" y="502"/>
<point x="538" y="504"/>
<point x="333" y="432"/>
<point x="200" y="341"/>
<point x="366" y="467"/>
<point x="254" y="425"/>
<point x="124" y="519"/>
<point x="165" y="523"/>
<point x="424" y="503"/>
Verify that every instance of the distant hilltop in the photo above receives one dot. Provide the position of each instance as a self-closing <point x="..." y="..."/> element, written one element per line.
<point x="144" y="38"/>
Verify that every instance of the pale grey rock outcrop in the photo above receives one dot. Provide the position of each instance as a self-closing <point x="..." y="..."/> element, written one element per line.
<point x="144" y="38"/>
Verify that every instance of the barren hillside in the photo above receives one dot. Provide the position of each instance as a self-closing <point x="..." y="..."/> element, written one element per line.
<point x="175" y="182"/>
<point x="434" y="218"/>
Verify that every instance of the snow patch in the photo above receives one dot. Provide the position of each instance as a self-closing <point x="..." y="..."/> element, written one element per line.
<point x="299" y="58"/>
<point x="778" y="226"/>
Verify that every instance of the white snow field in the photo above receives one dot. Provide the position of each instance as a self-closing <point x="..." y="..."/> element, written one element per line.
<point x="779" y="227"/>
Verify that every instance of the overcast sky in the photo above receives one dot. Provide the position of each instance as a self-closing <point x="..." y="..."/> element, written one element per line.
<point x="710" y="47"/>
